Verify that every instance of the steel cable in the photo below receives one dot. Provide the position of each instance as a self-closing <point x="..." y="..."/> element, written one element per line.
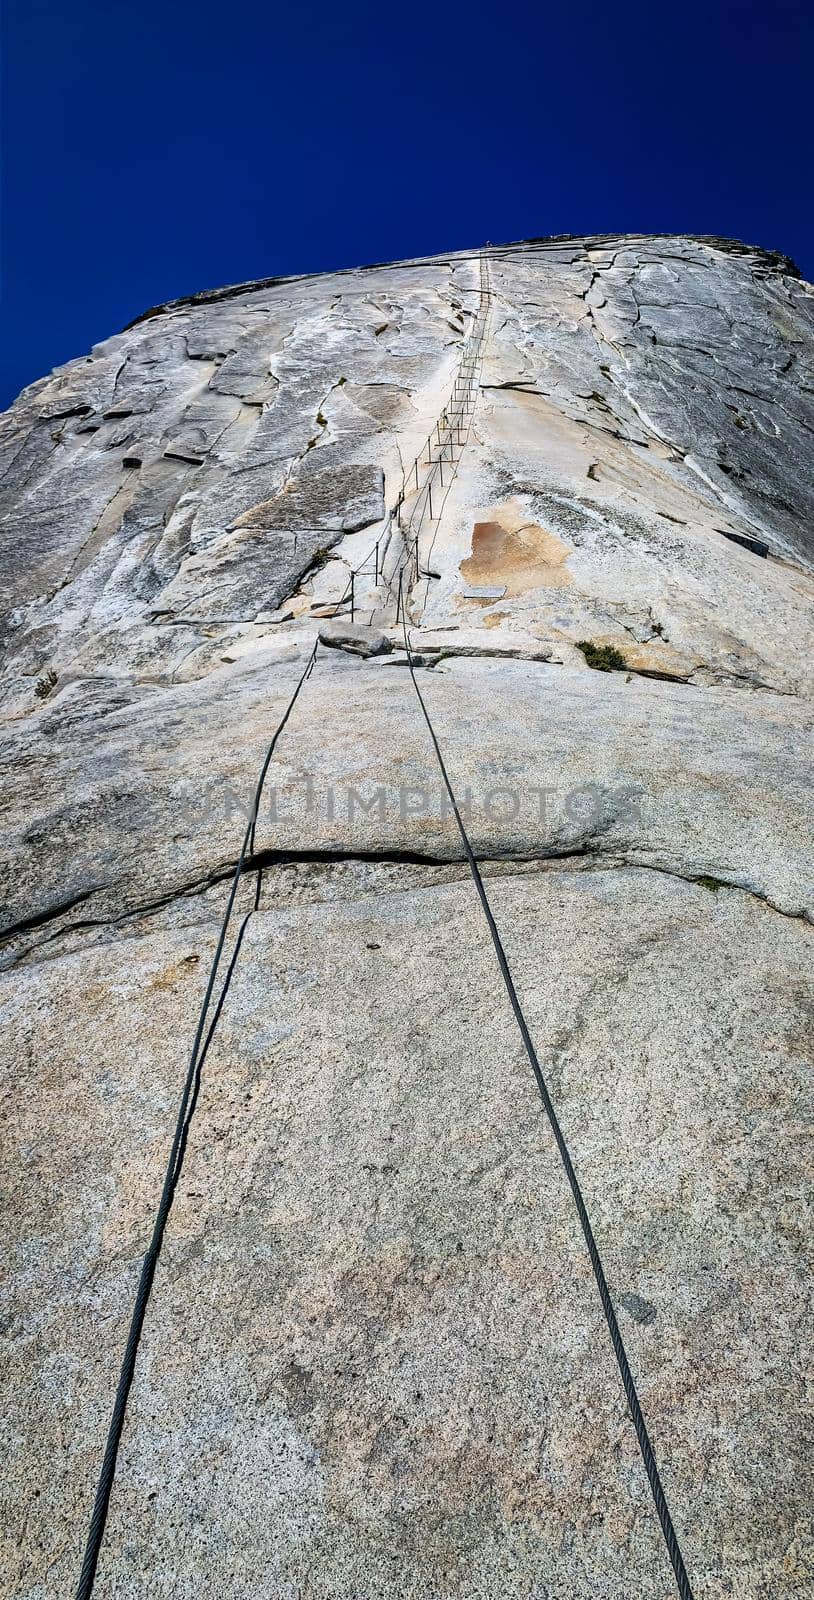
<point x="189" y="1100"/>
<point x="645" y="1446"/>
<point x="203" y="1039"/>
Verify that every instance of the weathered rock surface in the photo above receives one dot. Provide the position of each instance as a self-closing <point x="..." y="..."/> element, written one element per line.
<point x="357" y="638"/>
<point x="375" y="1362"/>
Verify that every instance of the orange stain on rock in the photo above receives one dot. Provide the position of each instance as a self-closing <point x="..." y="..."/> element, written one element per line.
<point x="522" y="555"/>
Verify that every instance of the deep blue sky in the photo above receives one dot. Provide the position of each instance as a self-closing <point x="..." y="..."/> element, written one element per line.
<point x="152" y="149"/>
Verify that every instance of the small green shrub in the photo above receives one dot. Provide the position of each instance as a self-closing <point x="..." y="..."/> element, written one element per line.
<point x="602" y="657"/>
<point x="713" y="884"/>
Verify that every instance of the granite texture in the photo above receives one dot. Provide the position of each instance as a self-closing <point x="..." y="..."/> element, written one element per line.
<point x="375" y="1361"/>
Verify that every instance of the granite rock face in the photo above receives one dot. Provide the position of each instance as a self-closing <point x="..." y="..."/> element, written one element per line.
<point x="375" y="1361"/>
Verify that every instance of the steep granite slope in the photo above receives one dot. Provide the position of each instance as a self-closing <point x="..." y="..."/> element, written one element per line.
<point x="375" y="1361"/>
